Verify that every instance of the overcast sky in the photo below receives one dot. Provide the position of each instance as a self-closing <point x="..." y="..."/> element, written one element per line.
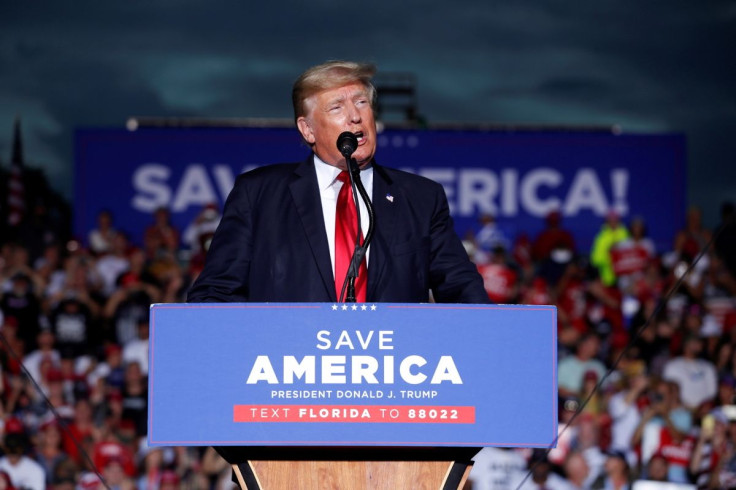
<point x="646" y="65"/>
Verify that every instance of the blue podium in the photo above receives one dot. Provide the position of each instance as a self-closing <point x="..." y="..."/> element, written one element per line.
<point x="360" y="395"/>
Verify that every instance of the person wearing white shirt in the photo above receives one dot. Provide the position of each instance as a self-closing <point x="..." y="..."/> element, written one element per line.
<point x="23" y="471"/>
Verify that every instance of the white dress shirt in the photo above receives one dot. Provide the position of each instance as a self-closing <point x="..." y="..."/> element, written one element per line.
<point x="329" y="188"/>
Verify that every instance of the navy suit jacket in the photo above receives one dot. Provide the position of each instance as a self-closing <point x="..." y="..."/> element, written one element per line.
<point x="271" y="245"/>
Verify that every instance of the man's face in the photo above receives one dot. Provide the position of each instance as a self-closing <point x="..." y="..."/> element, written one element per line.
<point x="333" y="111"/>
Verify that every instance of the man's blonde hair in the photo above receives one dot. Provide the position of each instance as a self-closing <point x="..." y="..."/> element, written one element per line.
<point x="332" y="74"/>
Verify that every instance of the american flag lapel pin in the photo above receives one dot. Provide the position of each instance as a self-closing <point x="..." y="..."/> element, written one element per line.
<point x="389" y="198"/>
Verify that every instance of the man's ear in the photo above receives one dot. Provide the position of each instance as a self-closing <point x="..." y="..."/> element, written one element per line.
<point x="305" y="129"/>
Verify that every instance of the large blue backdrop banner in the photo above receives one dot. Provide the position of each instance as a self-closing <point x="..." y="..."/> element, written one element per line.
<point x="519" y="177"/>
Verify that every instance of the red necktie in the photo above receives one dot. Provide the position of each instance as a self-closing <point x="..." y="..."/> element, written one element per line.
<point x="346" y="228"/>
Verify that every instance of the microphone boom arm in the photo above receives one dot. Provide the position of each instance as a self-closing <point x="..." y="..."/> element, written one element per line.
<point x="360" y="248"/>
<point x="347" y="143"/>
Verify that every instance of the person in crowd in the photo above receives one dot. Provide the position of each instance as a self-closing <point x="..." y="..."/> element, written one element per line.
<point x="717" y="453"/>
<point x="577" y="471"/>
<point x="21" y="303"/>
<point x="537" y="293"/>
<point x="500" y="280"/>
<point x="48" y="266"/>
<point x="24" y="472"/>
<point x="137" y="270"/>
<point x="567" y="428"/>
<point x="489" y="237"/>
<point x="623" y="406"/>
<point x="46" y="351"/>
<point x="541" y="475"/>
<point x="611" y="233"/>
<point x="72" y="323"/>
<point x="572" y="303"/>
<point x="49" y="450"/>
<point x="89" y="481"/>
<point x="521" y="256"/>
<point x="56" y="396"/>
<point x="198" y="235"/>
<point x="665" y="428"/>
<point x="112" y="264"/>
<point x="711" y="441"/>
<point x="571" y="370"/>
<point x="167" y="275"/>
<point x="109" y="417"/>
<point x="587" y="440"/>
<point x="152" y="467"/>
<point x="716" y="292"/>
<point x="109" y="449"/>
<point x="15" y="260"/>
<point x="79" y="280"/>
<point x="694" y="237"/>
<point x="127" y="307"/>
<point x="113" y="471"/>
<point x="723" y="359"/>
<point x="696" y="377"/>
<point x="552" y="238"/>
<point x="135" y="398"/>
<point x="102" y="238"/>
<point x="631" y="256"/>
<point x="161" y="235"/>
<point x="80" y="429"/>
<point x="590" y="393"/>
<point x="727" y="374"/>
<point x="617" y="475"/>
<point x="216" y="471"/>
<point x="658" y="468"/>
<point x="136" y="350"/>
<point x="605" y="313"/>
<point x="114" y="376"/>
<point x="556" y="263"/>
<point x="497" y="468"/>
<point x="169" y="480"/>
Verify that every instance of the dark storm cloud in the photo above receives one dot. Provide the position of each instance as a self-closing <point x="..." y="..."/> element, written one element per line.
<point x="647" y="66"/>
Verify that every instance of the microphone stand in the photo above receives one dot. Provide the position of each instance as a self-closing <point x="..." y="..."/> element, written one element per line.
<point x="360" y="248"/>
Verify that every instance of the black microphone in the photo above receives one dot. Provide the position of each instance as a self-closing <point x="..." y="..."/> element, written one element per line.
<point x="347" y="143"/>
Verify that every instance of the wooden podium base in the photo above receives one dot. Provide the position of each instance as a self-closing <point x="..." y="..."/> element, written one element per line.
<point x="357" y="469"/>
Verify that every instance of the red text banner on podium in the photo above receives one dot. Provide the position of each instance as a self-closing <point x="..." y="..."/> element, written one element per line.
<point x="352" y="374"/>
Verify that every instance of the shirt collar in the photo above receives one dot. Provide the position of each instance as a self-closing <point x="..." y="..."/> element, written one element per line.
<point x="327" y="174"/>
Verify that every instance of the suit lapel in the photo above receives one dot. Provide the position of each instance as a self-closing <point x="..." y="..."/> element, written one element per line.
<point x="305" y="192"/>
<point x="383" y="197"/>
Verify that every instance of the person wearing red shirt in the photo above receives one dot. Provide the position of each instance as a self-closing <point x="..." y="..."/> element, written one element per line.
<point x="499" y="280"/>
<point x="553" y="236"/>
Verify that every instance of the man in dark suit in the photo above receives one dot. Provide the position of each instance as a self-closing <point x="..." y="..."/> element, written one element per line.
<point x="276" y="240"/>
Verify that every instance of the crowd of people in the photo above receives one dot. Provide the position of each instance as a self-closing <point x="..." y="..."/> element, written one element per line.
<point x="646" y="358"/>
<point x="74" y="358"/>
<point x="646" y="386"/>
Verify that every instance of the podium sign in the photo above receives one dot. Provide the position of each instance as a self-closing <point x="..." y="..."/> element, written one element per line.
<point x="379" y="374"/>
